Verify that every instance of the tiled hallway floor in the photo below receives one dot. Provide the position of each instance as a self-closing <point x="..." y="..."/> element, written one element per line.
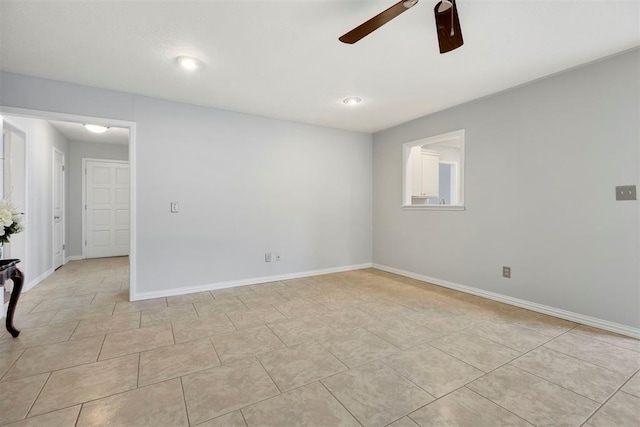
<point x="358" y="348"/>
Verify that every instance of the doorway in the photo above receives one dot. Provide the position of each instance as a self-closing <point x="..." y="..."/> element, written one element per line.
<point x="38" y="258"/>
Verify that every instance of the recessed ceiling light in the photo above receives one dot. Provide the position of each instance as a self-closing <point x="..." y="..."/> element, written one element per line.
<point x="352" y="100"/>
<point x="96" y="128"/>
<point x="188" y="63"/>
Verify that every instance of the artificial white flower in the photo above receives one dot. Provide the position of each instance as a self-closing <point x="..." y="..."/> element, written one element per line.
<point x="11" y="220"/>
<point x="6" y="204"/>
<point x="18" y="225"/>
<point x="6" y="218"/>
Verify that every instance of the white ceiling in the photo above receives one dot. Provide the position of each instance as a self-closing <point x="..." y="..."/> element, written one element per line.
<point x="282" y="59"/>
<point x="78" y="133"/>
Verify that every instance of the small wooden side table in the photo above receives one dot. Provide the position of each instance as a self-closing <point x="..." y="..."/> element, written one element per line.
<point x="8" y="270"/>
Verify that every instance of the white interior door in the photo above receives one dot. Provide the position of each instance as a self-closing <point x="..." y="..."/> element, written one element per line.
<point x="106" y="208"/>
<point x="58" y="209"/>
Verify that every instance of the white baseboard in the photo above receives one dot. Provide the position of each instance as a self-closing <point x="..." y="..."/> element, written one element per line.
<point x="540" y="308"/>
<point x="29" y="285"/>
<point x="243" y="282"/>
<point x="73" y="258"/>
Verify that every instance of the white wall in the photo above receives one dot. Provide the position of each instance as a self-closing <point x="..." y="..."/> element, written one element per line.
<point x="246" y="185"/>
<point x="77" y="151"/>
<point x="542" y="162"/>
<point x="41" y="137"/>
<point x="14" y="184"/>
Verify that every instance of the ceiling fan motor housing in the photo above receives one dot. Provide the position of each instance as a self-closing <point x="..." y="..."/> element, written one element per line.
<point x="448" y="27"/>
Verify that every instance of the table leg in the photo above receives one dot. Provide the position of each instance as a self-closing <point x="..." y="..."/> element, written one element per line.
<point x="13" y="301"/>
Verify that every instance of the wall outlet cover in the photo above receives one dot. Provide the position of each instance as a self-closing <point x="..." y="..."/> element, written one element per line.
<point x="626" y="192"/>
<point x="506" y="272"/>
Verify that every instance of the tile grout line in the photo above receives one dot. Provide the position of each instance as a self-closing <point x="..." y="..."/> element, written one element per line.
<point x="558" y="385"/>
<point x="215" y="350"/>
<point x="184" y="400"/>
<point x="277" y="336"/>
<point x="610" y="397"/>
<point x="336" y="398"/>
<point x="52" y="371"/>
<point x="74" y="330"/>
<point x="104" y="339"/>
<point x="12" y="365"/>
<point x="334" y="355"/>
<point x="626" y="393"/>
<point x="38" y="396"/>
<point x="549" y="338"/>
<point x="572" y="357"/>
<point x="412" y="382"/>
<point x="269" y="375"/>
<point x="630" y="378"/>
<point x="601" y="341"/>
<point x="94" y="297"/>
<point x="581" y="359"/>
<point x="500" y="406"/>
<point x="75" y="424"/>
<point x="476" y="379"/>
<point x="138" y="370"/>
<point x="96" y="399"/>
<point x="522" y="355"/>
<point x="585" y="336"/>
<point x="245" y="406"/>
<point x="243" y="417"/>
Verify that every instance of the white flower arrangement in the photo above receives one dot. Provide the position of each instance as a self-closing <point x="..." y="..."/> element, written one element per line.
<point x="10" y="220"/>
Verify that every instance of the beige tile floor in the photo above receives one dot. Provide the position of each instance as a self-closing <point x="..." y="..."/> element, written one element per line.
<point x="358" y="348"/>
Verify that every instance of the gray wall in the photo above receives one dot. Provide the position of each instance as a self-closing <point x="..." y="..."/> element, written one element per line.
<point x="246" y="185"/>
<point x="41" y="137"/>
<point x="542" y="162"/>
<point x="77" y="151"/>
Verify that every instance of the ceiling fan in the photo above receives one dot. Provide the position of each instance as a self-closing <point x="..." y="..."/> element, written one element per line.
<point x="447" y="24"/>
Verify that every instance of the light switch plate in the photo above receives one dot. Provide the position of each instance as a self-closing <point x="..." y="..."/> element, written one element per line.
<point x="626" y="192"/>
<point x="175" y="208"/>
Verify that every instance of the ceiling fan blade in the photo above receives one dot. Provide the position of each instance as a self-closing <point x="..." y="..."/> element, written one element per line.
<point x="448" y="26"/>
<point x="377" y="21"/>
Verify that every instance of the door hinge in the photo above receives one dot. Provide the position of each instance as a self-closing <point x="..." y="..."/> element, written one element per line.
<point x="62" y="168"/>
<point x="85" y="243"/>
<point x="64" y="247"/>
<point x="85" y="207"/>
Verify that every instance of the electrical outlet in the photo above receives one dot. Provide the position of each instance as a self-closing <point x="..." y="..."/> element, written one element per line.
<point x="506" y="272"/>
<point x="626" y="192"/>
<point x="277" y="256"/>
<point x="267" y="257"/>
<point x="175" y="208"/>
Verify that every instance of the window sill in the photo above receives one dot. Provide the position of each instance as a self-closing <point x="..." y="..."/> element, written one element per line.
<point x="433" y="207"/>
